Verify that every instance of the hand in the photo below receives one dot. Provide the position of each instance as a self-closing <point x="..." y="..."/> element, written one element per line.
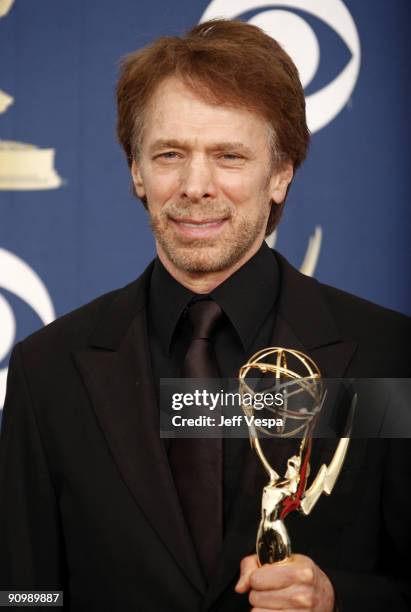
<point x="295" y="584"/>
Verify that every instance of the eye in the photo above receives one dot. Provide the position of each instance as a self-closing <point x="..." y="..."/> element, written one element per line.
<point x="304" y="28"/>
<point x="167" y="155"/>
<point x="231" y="156"/>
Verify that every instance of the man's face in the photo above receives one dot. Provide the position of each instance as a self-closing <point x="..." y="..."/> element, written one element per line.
<point x="206" y="172"/>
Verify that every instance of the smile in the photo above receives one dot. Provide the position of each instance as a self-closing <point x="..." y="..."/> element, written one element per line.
<point x="198" y="229"/>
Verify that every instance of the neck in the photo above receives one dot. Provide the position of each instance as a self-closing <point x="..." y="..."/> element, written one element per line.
<point x="204" y="282"/>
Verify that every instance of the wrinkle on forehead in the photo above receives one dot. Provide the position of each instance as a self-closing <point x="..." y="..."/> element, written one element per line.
<point x="181" y="114"/>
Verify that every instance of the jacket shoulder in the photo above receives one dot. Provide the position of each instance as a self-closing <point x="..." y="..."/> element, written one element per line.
<point x="74" y="329"/>
<point x="382" y="336"/>
<point x="363" y="318"/>
<point x="323" y="315"/>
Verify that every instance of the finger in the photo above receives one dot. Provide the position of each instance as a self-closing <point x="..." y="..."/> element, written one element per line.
<point x="247" y="566"/>
<point x="299" y="597"/>
<point x="283" y="575"/>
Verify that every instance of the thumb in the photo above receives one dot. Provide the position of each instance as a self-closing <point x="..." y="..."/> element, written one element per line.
<point x="247" y="566"/>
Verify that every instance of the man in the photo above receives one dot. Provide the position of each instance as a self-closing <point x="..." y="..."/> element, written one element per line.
<point x="92" y="500"/>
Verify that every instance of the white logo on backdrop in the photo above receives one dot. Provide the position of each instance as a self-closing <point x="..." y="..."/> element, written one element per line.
<point x="22" y="167"/>
<point x="18" y="278"/>
<point x="299" y="40"/>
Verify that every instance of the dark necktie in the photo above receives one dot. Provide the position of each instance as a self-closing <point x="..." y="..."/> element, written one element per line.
<point x="197" y="463"/>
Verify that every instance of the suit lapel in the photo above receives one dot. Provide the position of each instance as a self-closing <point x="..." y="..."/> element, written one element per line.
<point x="304" y="323"/>
<point x="116" y="371"/>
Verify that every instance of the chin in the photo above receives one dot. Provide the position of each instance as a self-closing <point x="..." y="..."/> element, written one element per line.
<point x="205" y="259"/>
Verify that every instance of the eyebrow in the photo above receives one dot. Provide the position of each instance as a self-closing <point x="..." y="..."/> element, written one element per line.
<point x="162" y="143"/>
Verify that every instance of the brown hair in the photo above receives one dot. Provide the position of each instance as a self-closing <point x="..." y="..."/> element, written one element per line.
<point x="227" y="62"/>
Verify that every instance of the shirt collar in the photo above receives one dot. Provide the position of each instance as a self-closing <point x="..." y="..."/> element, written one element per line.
<point x="167" y="301"/>
<point x="246" y="297"/>
<point x="249" y="295"/>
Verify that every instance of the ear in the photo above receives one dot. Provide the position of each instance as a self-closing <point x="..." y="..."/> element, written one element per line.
<point x="137" y="179"/>
<point x="279" y="182"/>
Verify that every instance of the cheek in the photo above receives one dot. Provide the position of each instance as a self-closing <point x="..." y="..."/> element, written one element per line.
<point x="237" y="188"/>
<point x="248" y="193"/>
<point x="160" y="189"/>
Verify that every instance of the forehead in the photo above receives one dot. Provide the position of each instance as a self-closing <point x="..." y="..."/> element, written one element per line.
<point x="176" y="110"/>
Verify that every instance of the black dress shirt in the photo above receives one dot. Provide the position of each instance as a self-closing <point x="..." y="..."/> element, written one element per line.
<point x="248" y="299"/>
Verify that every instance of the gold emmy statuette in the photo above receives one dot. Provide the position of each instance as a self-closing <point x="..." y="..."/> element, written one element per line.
<point x="303" y="397"/>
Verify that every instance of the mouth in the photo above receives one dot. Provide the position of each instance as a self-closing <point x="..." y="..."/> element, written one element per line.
<point x="195" y="228"/>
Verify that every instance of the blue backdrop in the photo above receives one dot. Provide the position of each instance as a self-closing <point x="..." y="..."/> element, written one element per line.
<point x="69" y="227"/>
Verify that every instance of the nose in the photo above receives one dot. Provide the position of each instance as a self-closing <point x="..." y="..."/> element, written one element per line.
<point x="197" y="180"/>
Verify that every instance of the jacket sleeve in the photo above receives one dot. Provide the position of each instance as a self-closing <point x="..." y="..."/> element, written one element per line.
<point x="30" y="537"/>
<point x="389" y="586"/>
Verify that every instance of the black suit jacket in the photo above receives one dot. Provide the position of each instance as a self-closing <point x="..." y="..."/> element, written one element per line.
<point x="87" y="500"/>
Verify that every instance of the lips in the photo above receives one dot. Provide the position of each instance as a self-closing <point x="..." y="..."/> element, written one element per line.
<point x="199" y="227"/>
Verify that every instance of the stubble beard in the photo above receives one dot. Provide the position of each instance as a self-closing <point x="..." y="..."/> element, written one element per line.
<point x="202" y="255"/>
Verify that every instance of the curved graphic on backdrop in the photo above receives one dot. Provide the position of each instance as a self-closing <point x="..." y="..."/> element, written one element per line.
<point x="23" y="166"/>
<point x="17" y="277"/>
<point x="5" y="6"/>
<point x="312" y="253"/>
<point x="299" y="40"/>
<point x="5" y="101"/>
